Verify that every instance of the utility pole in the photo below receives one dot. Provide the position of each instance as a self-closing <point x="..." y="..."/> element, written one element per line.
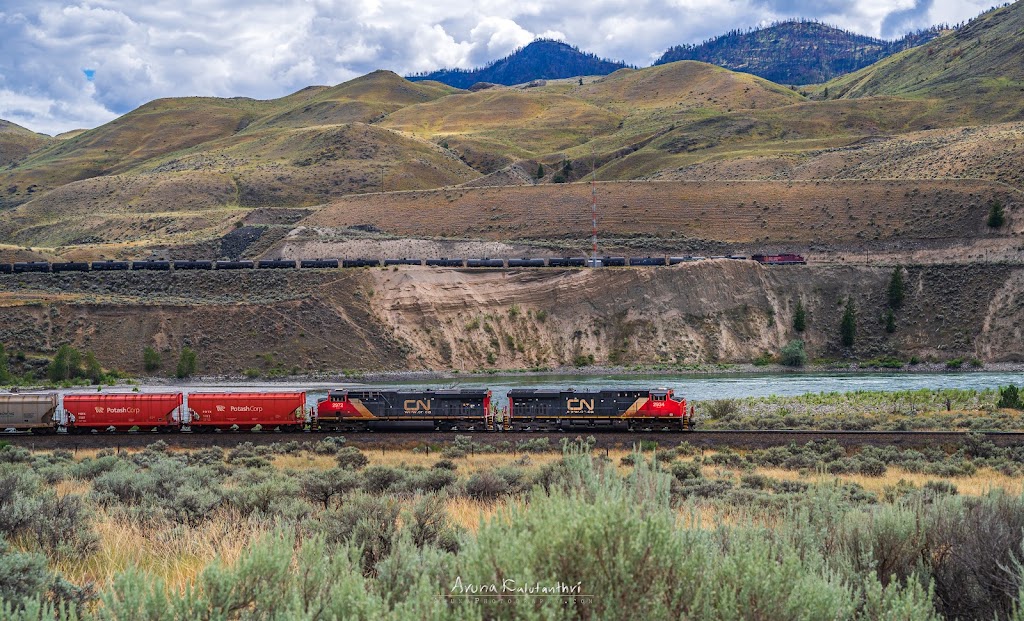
<point x="381" y="179"/>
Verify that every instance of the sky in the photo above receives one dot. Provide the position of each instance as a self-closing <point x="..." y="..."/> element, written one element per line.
<point x="71" y="65"/>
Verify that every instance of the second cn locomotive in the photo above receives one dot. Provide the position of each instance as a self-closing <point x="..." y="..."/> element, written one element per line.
<point x="527" y="410"/>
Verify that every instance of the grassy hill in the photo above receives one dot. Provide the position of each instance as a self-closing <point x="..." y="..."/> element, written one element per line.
<point x="16" y="142"/>
<point x="663" y="216"/>
<point x="977" y="67"/>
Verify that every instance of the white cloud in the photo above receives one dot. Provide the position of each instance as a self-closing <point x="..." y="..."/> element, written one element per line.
<point x="263" y="49"/>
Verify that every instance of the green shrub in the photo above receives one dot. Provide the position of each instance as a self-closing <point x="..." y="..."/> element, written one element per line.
<point x="665" y="455"/>
<point x="92" y="371"/>
<point x="721" y="408"/>
<point x="367" y="522"/>
<point x="871" y="467"/>
<point x="66" y="364"/>
<point x="486" y="486"/>
<point x="379" y="479"/>
<point x="429" y="481"/>
<point x="266" y="494"/>
<point x="687" y="471"/>
<point x="428" y="524"/>
<point x="1009" y="397"/>
<point x="329" y="445"/>
<point x="320" y="487"/>
<point x="445" y="464"/>
<point x="583" y="360"/>
<point x="941" y="488"/>
<point x="351" y="458"/>
<point x="186" y="363"/>
<point x="793" y="354"/>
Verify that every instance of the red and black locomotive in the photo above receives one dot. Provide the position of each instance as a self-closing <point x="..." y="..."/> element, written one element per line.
<point x="451" y="410"/>
<point x="527" y="410"/>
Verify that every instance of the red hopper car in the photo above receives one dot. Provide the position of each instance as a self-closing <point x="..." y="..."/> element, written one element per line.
<point x="161" y="411"/>
<point x="270" y="410"/>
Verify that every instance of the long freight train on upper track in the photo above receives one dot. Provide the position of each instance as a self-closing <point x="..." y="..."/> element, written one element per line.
<point x="27" y="267"/>
<point x="346" y="410"/>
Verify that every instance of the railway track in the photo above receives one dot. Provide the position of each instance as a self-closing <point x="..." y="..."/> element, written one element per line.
<point x="396" y="440"/>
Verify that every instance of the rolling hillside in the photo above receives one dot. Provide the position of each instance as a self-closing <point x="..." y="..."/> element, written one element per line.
<point x="16" y="142"/>
<point x="186" y="172"/>
<point x="977" y="67"/>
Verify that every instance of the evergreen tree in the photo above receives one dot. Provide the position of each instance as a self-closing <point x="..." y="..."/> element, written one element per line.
<point x="186" y="363"/>
<point x="996" y="214"/>
<point x="800" y="317"/>
<point x="890" y="321"/>
<point x="540" y="171"/>
<point x="848" y="325"/>
<point x="896" y="288"/>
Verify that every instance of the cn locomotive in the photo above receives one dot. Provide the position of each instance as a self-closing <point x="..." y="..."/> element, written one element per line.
<point x="347" y="410"/>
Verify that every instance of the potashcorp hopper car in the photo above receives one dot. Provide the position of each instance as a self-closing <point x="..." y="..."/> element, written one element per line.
<point x="270" y="410"/>
<point x="532" y="409"/>
<point x="121" y="412"/>
<point x="467" y="409"/>
<point x="28" y="412"/>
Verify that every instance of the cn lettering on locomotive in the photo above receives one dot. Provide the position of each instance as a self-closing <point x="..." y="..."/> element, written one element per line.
<point x="580" y="405"/>
<point x="412" y="406"/>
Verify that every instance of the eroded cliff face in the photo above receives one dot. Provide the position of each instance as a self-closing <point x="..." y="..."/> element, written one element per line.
<point x="426" y="318"/>
<point x="714" y="311"/>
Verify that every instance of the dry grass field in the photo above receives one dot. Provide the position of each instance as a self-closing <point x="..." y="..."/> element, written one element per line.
<point x="738" y="212"/>
<point x="177" y="555"/>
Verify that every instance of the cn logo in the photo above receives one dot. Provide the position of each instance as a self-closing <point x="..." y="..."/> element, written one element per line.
<point x="416" y="405"/>
<point x="580" y="405"/>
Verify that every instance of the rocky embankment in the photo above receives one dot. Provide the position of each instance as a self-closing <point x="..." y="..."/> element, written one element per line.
<point x="424" y="318"/>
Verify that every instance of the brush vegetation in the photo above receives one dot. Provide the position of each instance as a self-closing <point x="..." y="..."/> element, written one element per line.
<point x="278" y="531"/>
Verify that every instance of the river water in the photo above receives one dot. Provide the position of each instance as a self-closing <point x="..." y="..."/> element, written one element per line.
<point x="692" y="387"/>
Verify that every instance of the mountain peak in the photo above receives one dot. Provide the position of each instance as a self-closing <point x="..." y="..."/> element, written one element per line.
<point x="542" y="59"/>
<point x="795" y="51"/>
